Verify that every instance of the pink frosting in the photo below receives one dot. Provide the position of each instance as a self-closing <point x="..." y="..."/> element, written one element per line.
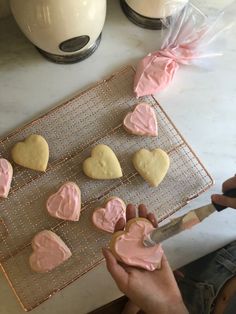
<point x="107" y="217"/>
<point x="6" y="173"/>
<point x="185" y="42"/>
<point x="131" y="250"/>
<point x="142" y="121"/>
<point x="49" y="252"/>
<point x="66" y="203"/>
<point x="154" y="73"/>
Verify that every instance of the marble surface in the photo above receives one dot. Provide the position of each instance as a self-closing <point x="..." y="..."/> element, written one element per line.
<point x="201" y="102"/>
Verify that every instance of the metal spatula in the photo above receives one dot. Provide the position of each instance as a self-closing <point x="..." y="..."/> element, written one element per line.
<point x="184" y="222"/>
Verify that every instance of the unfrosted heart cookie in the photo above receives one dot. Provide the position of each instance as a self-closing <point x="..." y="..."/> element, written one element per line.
<point x="103" y="164"/>
<point x="106" y="217"/>
<point x="33" y="153"/>
<point x="66" y="202"/>
<point x="142" y="121"/>
<point x="127" y="246"/>
<point x="151" y="165"/>
<point x="6" y="173"/>
<point x="49" y="252"/>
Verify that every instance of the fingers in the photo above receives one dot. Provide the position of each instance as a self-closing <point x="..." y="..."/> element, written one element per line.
<point x="120" y="225"/>
<point x="224" y="200"/>
<point x="117" y="271"/>
<point x="229" y="184"/>
<point x="151" y="217"/>
<point x="142" y="211"/>
<point x="130" y="212"/>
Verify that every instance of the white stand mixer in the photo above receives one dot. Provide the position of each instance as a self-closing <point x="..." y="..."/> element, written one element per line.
<point x="64" y="31"/>
<point x="149" y="14"/>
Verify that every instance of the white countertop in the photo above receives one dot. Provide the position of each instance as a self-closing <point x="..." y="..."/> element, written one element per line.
<point x="200" y="102"/>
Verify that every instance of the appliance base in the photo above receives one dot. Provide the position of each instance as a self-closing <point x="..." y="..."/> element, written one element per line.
<point x="140" y="20"/>
<point x="72" y="58"/>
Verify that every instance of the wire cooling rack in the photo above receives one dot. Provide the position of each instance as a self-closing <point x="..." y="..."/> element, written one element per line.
<point x="71" y="130"/>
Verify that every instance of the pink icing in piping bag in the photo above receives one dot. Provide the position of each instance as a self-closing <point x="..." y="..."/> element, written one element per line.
<point x="189" y="38"/>
<point x="153" y="74"/>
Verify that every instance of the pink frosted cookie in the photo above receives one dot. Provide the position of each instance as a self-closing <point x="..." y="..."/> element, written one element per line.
<point x="127" y="246"/>
<point x="142" y="121"/>
<point x="105" y="218"/>
<point x="66" y="202"/>
<point x="6" y="173"/>
<point x="49" y="252"/>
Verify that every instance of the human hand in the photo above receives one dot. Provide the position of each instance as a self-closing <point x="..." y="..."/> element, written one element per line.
<point x="226" y="200"/>
<point x="154" y="292"/>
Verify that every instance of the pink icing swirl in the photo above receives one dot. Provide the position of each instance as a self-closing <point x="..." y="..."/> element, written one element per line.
<point x="66" y="203"/>
<point x="6" y="173"/>
<point x="106" y="218"/>
<point x="131" y="250"/>
<point x="49" y="252"/>
<point x="142" y="121"/>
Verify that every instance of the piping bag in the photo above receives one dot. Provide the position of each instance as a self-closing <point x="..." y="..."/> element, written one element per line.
<point x="191" y="39"/>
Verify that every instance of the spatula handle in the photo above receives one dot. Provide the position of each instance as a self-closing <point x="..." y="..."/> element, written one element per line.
<point x="230" y="193"/>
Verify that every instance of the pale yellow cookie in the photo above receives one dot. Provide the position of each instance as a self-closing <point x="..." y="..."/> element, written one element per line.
<point x="103" y="164"/>
<point x="33" y="153"/>
<point x="151" y="165"/>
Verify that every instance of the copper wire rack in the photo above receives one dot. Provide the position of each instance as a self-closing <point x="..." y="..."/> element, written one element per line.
<point x="71" y="130"/>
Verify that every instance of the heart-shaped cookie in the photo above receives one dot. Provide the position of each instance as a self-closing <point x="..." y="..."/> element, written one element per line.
<point x="6" y="173"/>
<point x="49" y="252"/>
<point x="106" y="217"/>
<point x="151" y="165"/>
<point x="142" y="121"/>
<point x="33" y="153"/>
<point x="103" y="164"/>
<point x="65" y="203"/>
<point x="127" y="246"/>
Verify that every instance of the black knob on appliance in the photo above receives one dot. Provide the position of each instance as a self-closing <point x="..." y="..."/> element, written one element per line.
<point x="74" y="44"/>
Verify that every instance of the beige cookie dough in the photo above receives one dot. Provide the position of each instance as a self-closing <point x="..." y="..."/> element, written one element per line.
<point x="151" y="165"/>
<point x="103" y="164"/>
<point x="33" y="153"/>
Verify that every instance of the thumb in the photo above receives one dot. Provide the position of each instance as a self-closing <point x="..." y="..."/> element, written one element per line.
<point x="224" y="200"/>
<point x="117" y="272"/>
<point x="165" y="264"/>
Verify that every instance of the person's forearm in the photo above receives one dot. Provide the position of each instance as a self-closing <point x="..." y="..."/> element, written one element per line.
<point x="170" y="309"/>
<point x="178" y="309"/>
